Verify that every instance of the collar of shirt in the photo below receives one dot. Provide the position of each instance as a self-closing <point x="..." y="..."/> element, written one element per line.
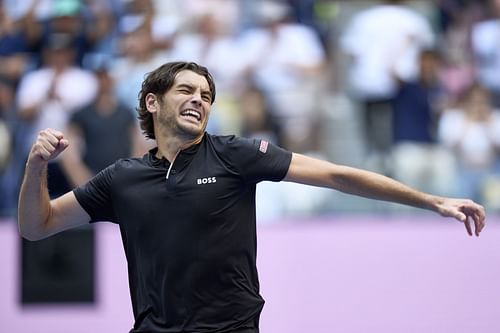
<point x="182" y="160"/>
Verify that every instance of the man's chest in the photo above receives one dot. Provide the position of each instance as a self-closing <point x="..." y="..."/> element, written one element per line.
<point x="199" y="193"/>
<point x="202" y="206"/>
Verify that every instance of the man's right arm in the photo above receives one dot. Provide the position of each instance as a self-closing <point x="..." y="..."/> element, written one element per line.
<point x="38" y="216"/>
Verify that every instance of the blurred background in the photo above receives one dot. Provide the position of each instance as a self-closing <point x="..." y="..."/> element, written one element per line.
<point x="409" y="89"/>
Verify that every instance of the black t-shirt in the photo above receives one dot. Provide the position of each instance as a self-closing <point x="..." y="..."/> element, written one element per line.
<point x="190" y="240"/>
<point x="107" y="136"/>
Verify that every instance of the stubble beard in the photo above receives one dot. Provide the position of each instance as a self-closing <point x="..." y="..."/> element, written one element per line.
<point x="174" y="126"/>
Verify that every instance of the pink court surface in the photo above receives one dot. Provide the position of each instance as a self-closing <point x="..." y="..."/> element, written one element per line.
<point x="348" y="274"/>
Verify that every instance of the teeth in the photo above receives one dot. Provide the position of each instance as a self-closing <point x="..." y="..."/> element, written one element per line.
<point x="192" y="113"/>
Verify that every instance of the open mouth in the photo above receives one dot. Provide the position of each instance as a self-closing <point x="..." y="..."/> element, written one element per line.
<point x="191" y="114"/>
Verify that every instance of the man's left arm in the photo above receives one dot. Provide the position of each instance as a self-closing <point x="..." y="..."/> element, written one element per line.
<point x="311" y="171"/>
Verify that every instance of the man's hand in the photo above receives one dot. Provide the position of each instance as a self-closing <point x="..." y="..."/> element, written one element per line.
<point x="464" y="211"/>
<point x="49" y="144"/>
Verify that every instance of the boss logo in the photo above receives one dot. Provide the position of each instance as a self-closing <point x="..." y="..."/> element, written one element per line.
<point x="208" y="180"/>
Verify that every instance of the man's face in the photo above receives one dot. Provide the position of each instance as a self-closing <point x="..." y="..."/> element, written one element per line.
<point x="186" y="106"/>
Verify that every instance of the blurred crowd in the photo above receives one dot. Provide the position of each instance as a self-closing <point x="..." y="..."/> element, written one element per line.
<point x="410" y="89"/>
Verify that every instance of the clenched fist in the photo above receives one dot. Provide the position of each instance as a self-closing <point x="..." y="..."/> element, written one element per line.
<point x="49" y="144"/>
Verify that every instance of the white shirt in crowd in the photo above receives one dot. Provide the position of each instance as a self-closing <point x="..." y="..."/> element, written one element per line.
<point x="384" y="41"/>
<point x="476" y="143"/>
<point x="74" y="88"/>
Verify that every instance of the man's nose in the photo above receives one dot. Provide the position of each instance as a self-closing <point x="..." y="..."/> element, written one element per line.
<point x="196" y="98"/>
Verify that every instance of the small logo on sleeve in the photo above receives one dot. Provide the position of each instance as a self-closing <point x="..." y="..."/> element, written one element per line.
<point x="208" y="180"/>
<point x="263" y="146"/>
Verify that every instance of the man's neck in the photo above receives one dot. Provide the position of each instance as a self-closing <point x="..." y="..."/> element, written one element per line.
<point x="169" y="147"/>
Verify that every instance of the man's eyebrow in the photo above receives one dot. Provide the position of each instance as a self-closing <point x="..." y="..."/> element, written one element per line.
<point x="190" y="86"/>
<point x="184" y="85"/>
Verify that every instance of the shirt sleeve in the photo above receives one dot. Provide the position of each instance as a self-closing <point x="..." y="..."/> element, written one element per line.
<point x="257" y="160"/>
<point x="95" y="196"/>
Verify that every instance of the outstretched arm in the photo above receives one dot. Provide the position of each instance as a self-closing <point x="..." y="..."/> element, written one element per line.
<point x="38" y="216"/>
<point x="307" y="170"/>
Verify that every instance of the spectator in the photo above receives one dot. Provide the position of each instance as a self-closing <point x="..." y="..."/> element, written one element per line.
<point x="452" y="11"/>
<point x="458" y="68"/>
<point x="88" y="25"/>
<point x="14" y="48"/>
<point x="383" y="43"/>
<point x="285" y="60"/>
<point x="256" y="118"/>
<point x="473" y="132"/>
<point x="138" y="56"/>
<point x="14" y="61"/>
<point x="48" y="96"/>
<point x="100" y="29"/>
<point x="417" y="157"/>
<point x="102" y="132"/>
<point x="227" y="13"/>
<point x="154" y="17"/>
<point x="212" y="44"/>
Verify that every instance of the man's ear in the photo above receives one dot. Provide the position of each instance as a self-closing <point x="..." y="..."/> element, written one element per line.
<point x="152" y="104"/>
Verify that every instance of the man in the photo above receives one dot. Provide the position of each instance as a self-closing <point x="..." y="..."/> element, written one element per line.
<point x="382" y="43"/>
<point x="186" y="210"/>
<point x="49" y="95"/>
<point x="106" y="130"/>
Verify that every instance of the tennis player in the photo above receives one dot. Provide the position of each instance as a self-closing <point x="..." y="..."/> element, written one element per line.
<point x="186" y="209"/>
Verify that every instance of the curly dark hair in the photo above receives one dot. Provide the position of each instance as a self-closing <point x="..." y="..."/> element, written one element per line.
<point x="160" y="81"/>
